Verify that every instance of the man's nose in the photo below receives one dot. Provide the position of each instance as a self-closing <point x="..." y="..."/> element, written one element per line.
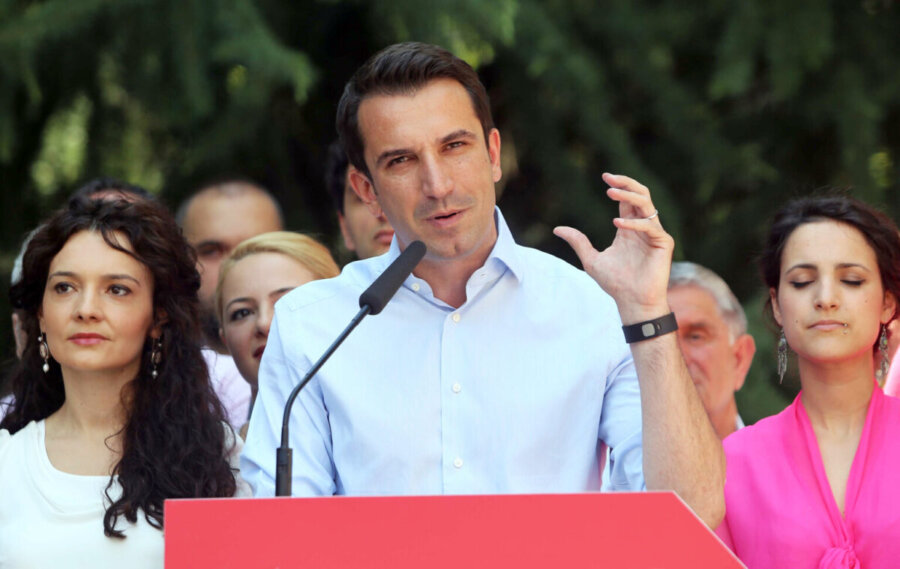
<point x="436" y="181"/>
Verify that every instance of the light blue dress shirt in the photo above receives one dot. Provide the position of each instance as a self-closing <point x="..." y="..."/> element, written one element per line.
<point x="519" y="390"/>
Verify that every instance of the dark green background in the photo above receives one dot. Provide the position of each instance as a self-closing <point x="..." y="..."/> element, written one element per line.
<point x="723" y="108"/>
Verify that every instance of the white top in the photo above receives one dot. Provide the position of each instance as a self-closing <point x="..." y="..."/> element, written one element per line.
<point x="5" y="402"/>
<point x="50" y="518"/>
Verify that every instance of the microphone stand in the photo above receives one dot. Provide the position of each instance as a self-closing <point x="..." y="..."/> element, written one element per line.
<point x="371" y="301"/>
<point x="284" y="454"/>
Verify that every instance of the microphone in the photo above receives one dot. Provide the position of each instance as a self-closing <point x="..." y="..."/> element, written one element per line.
<point x="382" y="290"/>
<point x="371" y="301"/>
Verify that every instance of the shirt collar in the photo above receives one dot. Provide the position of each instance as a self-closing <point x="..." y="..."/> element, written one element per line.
<point x="504" y="251"/>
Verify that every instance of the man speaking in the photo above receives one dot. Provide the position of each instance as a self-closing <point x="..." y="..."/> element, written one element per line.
<point x="496" y="368"/>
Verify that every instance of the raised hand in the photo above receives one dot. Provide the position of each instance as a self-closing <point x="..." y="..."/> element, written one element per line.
<point x="634" y="269"/>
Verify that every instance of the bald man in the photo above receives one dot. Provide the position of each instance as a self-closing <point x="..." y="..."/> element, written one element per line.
<point x="215" y="219"/>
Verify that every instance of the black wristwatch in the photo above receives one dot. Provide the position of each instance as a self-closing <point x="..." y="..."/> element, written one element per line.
<point x="650" y="329"/>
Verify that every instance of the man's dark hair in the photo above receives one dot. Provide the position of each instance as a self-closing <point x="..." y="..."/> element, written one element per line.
<point x="401" y="69"/>
<point x="336" y="164"/>
<point x="229" y="186"/>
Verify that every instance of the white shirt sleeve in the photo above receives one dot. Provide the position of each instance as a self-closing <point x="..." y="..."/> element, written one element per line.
<point x="312" y="468"/>
<point x="621" y="429"/>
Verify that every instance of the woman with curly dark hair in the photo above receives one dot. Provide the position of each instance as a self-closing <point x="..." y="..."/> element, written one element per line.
<point x="112" y="409"/>
<point x="815" y="486"/>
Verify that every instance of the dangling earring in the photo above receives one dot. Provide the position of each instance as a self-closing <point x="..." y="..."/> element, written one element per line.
<point x="782" y="356"/>
<point x="44" y="350"/>
<point x="155" y="357"/>
<point x="881" y="374"/>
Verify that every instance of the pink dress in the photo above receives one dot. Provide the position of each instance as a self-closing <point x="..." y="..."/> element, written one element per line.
<point x="892" y="384"/>
<point x="780" y="512"/>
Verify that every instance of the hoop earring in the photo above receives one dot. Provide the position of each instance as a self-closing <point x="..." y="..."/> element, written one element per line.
<point x="782" y="356"/>
<point x="44" y="350"/>
<point x="881" y="373"/>
<point x="155" y="357"/>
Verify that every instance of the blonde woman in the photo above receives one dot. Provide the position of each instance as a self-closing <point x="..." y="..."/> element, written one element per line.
<point x="258" y="272"/>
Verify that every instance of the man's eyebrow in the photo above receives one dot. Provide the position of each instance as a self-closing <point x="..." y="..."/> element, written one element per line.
<point x="209" y="243"/>
<point x="388" y="154"/>
<point x="457" y="134"/>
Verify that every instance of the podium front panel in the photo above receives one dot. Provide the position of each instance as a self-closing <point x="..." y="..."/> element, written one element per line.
<point x="622" y="530"/>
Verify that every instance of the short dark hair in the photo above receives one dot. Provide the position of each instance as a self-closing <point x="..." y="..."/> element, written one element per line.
<point x="879" y="231"/>
<point x="230" y="186"/>
<point x="402" y="69"/>
<point x="336" y="164"/>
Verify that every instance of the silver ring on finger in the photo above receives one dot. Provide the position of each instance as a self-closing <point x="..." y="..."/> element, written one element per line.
<point x="655" y="213"/>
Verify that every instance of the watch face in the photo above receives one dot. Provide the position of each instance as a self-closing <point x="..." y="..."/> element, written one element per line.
<point x="650" y="329"/>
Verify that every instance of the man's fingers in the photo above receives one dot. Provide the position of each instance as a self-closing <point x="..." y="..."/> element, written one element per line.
<point x="641" y="203"/>
<point x="650" y="227"/>
<point x="625" y="183"/>
<point x="577" y="240"/>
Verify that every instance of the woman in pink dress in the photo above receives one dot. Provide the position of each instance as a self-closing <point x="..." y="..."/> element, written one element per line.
<point x="816" y="485"/>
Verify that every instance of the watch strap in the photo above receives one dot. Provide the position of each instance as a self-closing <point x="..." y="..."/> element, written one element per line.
<point x="650" y="328"/>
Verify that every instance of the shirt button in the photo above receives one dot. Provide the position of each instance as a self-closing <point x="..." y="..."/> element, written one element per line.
<point x="416" y="287"/>
<point x="455" y="316"/>
<point x="457" y="462"/>
<point x="456" y="388"/>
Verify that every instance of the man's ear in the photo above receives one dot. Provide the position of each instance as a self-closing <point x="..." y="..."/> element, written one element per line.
<point x="494" y="154"/>
<point x="365" y="189"/>
<point x="744" y="348"/>
<point x="776" y="310"/>
<point x="348" y="239"/>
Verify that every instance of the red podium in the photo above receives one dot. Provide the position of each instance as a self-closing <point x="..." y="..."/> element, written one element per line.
<point x="623" y="530"/>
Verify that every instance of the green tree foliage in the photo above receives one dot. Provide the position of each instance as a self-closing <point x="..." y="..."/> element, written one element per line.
<point x="724" y="109"/>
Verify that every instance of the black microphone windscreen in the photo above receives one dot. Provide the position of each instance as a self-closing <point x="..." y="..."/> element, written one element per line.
<point x="382" y="290"/>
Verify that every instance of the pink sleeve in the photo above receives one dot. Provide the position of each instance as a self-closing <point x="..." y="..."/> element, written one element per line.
<point x="230" y="387"/>
<point x="723" y="533"/>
